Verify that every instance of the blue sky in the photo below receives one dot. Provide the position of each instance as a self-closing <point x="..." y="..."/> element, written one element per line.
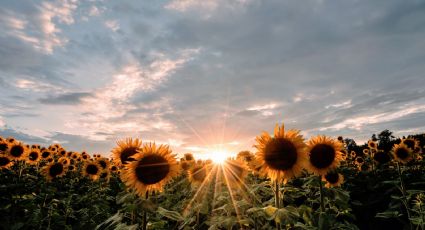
<point x="202" y="74"/>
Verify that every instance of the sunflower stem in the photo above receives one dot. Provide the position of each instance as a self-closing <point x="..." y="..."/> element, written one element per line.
<point x="403" y="192"/>
<point x="276" y="199"/>
<point x="322" y="202"/>
<point x="144" y="224"/>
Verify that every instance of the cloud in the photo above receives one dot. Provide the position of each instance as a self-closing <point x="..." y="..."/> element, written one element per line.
<point x="112" y="24"/>
<point x="65" y="99"/>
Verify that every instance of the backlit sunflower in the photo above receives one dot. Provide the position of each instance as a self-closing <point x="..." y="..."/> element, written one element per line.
<point x="126" y="149"/>
<point x="64" y="160"/>
<point x="92" y="169"/>
<point x="151" y="169"/>
<point x="53" y="170"/>
<point x="62" y="152"/>
<point x="365" y="151"/>
<point x="113" y="169"/>
<point x="325" y="154"/>
<point x="246" y="156"/>
<point x="103" y="162"/>
<point x="198" y="174"/>
<point x="411" y="143"/>
<point x="45" y="154"/>
<point x="333" y="179"/>
<point x="17" y="151"/>
<point x="5" y="162"/>
<point x="402" y="153"/>
<point x="105" y="174"/>
<point x="34" y="156"/>
<point x="185" y="165"/>
<point x="234" y="172"/>
<point x="283" y="156"/>
<point x="189" y="157"/>
<point x="4" y="146"/>
<point x="372" y="144"/>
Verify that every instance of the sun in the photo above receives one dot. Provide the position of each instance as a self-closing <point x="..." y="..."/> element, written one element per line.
<point x="220" y="156"/>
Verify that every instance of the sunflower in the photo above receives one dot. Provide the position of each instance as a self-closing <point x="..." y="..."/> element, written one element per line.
<point x="411" y="143"/>
<point x="85" y="157"/>
<point x="283" y="156"/>
<point x="340" y="139"/>
<point x="189" y="157"/>
<point x="198" y="174"/>
<point x="325" y="154"/>
<point x="246" y="156"/>
<point x="381" y="157"/>
<point x="234" y="172"/>
<point x="10" y="140"/>
<point x="62" y="152"/>
<point x="103" y="162"/>
<point x="17" y="151"/>
<point x="45" y="154"/>
<point x="5" y="162"/>
<point x="105" y="174"/>
<point x="53" y="170"/>
<point x="402" y="153"/>
<point x="359" y="160"/>
<point x="185" y="165"/>
<point x="333" y="179"/>
<point x="71" y="168"/>
<point x="65" y="161"/>
<point x="92" y="169"/>
<point x="353" y="154"/>
<point x="113" y="169"/>
<point x="365" y="151"/>
<point x="34" y="156"/>
<point x="126" y="149"/>
<point x="151" y="169"/>
<point x="372" y="144"/>
<point x="4" y="146"/>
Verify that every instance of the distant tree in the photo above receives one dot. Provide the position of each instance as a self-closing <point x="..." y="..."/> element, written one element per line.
<point x="351" y="144"/>
<point x="386" y="140"/>
<point x="374" y="138"/>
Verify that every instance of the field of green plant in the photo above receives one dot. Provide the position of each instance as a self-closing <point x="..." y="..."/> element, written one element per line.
<point x="287" y="183"/>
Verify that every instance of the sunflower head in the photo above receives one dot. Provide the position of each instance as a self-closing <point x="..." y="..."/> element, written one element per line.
<point x="105" y="174"/>
<point x="4" y="146"/>
<point x="34" y="156"/>
<point x="198" y="174"/>
<point x="410" y="143"/>
<point x="366" y="151"/>
<point x="11" y="140"/>
<point x="402" y="153"/>
<point x="103" y="162"/>
<point x="234" y="172"/>
<point x="189" y="157"/>
<point x="125" y="150"/>
<point x="359" y="160"/>
<point x="64" y="160"/>
<point x="185" y="165"/>
<point x="92" y="170"/>
<point x="333" y="179"/>
<point x="45" y="154"/>
<point x="62" y="152"/>
<point x="17" y="151"/>
<point x="353" y="154"/>
<point x="281" y="157"/>
<point x="5" y="162"/>
<point x="53" y="170"/>
<point x="372" y="144"/>
<point x="325" y="154"/>
<point x="151" y="169"/>
<point x="85" y="157"/>
<point x="246" y="156"/>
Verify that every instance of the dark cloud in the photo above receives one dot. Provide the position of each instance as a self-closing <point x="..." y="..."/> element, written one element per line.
<point x="65" y="99"/>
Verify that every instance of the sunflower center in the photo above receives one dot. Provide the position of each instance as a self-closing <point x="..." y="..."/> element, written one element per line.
<point x="280" y="154"/>
<point x="102" y="164"/>
<point x="3" y="147"/>
<point x="92" y="169"/>
<point x="199" y="174"/>
<point x="409" y="143"/>
<point x="4" y="161"/>
<point x="33" y="156"/>
<point x="151" y="169"/>
<point x="322" y="155"/>
<point x="359" y="160"/>
<point x="332" y="177"/>
<point x="402" y="153"/>
<point x="127" y="153"/>
<point x="55" y="169"/>
<point x="17" y="151"/>
<point x="104" y="175"/>
<point x="45" y="154"/>
<point x="71" y="167"/>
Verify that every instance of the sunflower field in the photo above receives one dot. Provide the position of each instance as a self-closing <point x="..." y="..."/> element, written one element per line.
<point x="288" y="182"/>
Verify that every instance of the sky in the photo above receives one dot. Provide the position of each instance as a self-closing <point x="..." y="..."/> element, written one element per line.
<point x="207" y="75"/>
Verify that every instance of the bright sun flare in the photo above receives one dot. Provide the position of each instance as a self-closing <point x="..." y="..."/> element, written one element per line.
<point x="219" y="157"/>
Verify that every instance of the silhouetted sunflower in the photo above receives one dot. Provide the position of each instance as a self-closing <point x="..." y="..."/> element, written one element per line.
<point x="34" y="156"/>
<point x="381" y="157"/>
<point x="283" y="156"/>
<point x="325" y="154"/>
<point x="17" y="151"/>
<point x="5" y="162"/>
<point x="411" y="143"/>
<point x="151" y="169"/>
<point x="198" y="174"/>
<point x="372" y="144"/>
<point x="126" y="149"/>
<point x="359" y="160"/>
<point x="53" y="170"/>
<point x="234" y="172"/>
<point x="333" y="179"/>
<point x="92" y="169"/>
<point x="402" y="153"/>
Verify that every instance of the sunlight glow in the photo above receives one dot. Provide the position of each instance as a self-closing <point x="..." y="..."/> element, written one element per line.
<point x="219" y="157"/>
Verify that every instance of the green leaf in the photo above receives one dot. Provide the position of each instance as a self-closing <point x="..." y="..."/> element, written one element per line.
<point x="173" y="215"/>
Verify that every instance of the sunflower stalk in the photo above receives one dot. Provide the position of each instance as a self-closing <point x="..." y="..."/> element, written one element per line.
<point x="277" y="200"/>
<point x="144" y="224"/>
<point x="403" y="192"/>
<point x="322" y="202"/>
